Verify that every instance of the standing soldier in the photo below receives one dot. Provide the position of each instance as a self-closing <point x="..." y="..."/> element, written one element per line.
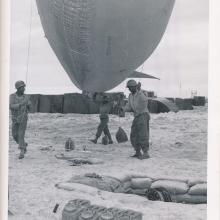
<point x="104" y="110"/>
<point x="137" y="103"/>
<point x="19" y="105"/>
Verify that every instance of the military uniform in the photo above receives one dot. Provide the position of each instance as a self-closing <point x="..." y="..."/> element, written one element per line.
<point x="104" y="119"/>
<point x="140" y="126"/>
<point x="19" y="111"/>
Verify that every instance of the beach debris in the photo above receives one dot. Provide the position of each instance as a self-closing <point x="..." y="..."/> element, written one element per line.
<point x="69" y="145"/>
<point x="93" y="175"/>
<point x="84" y="147"/>
<point x="121" y="135"/>
<point x="78" y="161"/>
<point x="178" y="143"/>
<point x="55" y="208"/>
<point x="49" y="148"/>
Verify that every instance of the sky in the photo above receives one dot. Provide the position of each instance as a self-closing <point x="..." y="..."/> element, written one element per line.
<point x="180" y="60"/>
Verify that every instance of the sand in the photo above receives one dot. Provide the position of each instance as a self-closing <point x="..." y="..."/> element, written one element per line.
<point x="178" y="150"/>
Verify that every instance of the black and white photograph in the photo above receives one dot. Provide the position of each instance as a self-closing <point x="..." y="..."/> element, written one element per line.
<point x="108" y="110"/>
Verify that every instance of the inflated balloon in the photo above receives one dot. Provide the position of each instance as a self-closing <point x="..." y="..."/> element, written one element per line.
<point x="101" y="42"/>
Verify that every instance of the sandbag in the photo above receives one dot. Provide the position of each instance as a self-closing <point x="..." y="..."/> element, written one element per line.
<point x="122" y="177"/>
<point x="101" y="182"/>
<point x="34" y="98"/>
<point x="183" y="104"/>
<point x="141" y="183"/>
<point x="51" y="103"/>
<point x="124" y="188"/>
<point x="75" y="103"/>
<point x="198" y="189"/>
<point x="121" y="136"/>
<point x="195" y="181"/>
<point x="93" y="107"/>
<point x="173" y="187"/>
<point x="199" y="100"/>
<point x="186" y="198"/>
<point x="105" y="140"/>
<point x="139" y="191"/>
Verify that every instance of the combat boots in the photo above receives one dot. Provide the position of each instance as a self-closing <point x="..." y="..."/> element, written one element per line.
<point x="94" y="140"/>
<point x="145" y="155"/>
<point x="137" y="154"/>
<point x="21" y="155"/>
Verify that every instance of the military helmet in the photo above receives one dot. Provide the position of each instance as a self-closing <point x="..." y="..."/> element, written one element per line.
<point x="131" y="83"/>
<point x="19" y="84"/>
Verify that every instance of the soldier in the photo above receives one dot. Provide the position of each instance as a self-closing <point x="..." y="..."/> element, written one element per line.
<point x="104" y="110"/>
<point x="19" y="106"/>
<point x="137" y="102"/>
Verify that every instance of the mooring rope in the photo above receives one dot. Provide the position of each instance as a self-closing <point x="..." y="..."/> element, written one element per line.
<point x="29" y="44"/>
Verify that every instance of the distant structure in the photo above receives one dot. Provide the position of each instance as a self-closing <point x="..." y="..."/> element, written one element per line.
<point x="193" y="93"/>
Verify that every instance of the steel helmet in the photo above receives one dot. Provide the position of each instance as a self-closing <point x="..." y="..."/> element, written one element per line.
<point x="131" y="83"/>
<point x="19" y="84"/>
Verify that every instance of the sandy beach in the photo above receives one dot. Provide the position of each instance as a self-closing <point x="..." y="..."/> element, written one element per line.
<point x="178" y="150"/>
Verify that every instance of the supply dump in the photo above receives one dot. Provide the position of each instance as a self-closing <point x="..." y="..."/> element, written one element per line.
<point x="178" y="152"/>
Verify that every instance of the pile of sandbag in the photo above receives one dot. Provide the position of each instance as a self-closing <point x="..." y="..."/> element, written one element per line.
<point x="51" y="103"/>
<point x="168" y="190"/>
<point x="177" y="190"/>
<point x="184" y="104"/>
<point x="34" y="99"/>
<point x="199" y="100"/>
<point x="75" y="103"/>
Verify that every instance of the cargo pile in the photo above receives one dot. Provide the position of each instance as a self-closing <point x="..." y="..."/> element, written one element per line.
<point x="79" y="209"/>
<point x="156" y="189"/>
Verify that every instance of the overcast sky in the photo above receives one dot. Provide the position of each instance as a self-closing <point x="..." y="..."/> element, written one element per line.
<point x="180" y="60"/>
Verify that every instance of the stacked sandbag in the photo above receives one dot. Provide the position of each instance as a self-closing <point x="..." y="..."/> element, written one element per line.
<point x="139" y="186"/>
<point x="168" y="190"/>
<point x="199" y="100"/>
<point x="34" y="98"/>
<point x="189" y="100"/>
<point x="183" y="104"/>
<point x="93" y="107"/>
<point x="101" y="182"/>
<point x="181" y="192"/>
<point x="162" y="108"/>
<point x="75" y="103"/>
<point x="51" y="104"/>
<point x="170" y="99"/>
<point x="191" y="199"/>
<point x="152" y="106"/>
<point x="173" y="187"/>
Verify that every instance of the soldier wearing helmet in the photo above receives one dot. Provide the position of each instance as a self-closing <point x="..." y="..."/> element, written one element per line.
<point x="137" y="103"/>
<point x="19" y="106"/>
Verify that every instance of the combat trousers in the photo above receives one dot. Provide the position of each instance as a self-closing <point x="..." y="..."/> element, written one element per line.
<point x="18" y="132"/>
<point x="140" y="133"/>
<point x="103" y="127"/>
